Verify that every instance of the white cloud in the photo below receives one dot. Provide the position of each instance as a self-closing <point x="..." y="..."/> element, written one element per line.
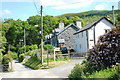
<point x="6" y="11"/>
<point x="58" y="0"/>
<point x="17" y="1"/>
<point x="66" y="4"/>
<point x="100" y="7"/>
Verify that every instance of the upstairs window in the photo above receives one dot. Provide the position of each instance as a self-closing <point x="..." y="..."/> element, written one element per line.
<point x="107" y="30"/>
<point x="82" y="34"/>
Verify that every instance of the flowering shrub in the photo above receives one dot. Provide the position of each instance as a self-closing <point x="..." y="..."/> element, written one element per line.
<point x="107" y="50"/>
<point x="103" y="60"/>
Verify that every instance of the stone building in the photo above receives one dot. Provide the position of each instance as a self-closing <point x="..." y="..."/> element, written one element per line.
<point x="63" y="36"/>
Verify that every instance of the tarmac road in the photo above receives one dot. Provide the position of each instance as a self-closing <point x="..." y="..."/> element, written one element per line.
<point x="57" y="72"/>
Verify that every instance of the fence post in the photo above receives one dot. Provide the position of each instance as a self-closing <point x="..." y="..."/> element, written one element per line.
<point x="54" y="56"/>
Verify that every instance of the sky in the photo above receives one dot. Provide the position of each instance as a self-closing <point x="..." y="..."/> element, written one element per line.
<point x="23" y="9"/>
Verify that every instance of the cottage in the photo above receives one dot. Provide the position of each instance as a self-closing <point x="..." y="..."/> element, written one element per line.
<point x="63" y="36"/>
<point x="87" y="37"/>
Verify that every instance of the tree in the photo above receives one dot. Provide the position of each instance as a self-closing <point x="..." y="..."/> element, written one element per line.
<point x="49" y="47"/>
<point x="64" y="20"/>
<point x="118" y="19"/>
<point x="74" y="19"/>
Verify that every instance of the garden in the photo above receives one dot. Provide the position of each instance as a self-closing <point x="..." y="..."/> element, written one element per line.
<point x="103" y="60"/>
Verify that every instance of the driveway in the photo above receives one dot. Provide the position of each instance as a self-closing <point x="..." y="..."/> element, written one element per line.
<point x="57" y="72"/>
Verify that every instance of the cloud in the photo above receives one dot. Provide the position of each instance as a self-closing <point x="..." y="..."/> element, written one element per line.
<point x="17" y="1"/>
<point x="6" y="11"/>
<point x="100" y="7"/>
<point x="66" y="4"/>
<point x="58" y="0"/>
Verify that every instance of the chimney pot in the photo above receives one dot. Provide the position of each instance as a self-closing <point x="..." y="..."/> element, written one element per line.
<point x="79" y="23"/>
<point x="61" y="25"/>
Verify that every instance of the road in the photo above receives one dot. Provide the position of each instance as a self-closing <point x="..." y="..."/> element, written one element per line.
<point x="57" y="72"/>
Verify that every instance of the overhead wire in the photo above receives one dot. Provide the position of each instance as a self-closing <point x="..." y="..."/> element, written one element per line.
<point x="55" y="5"/>
<point x="36" y="6"/>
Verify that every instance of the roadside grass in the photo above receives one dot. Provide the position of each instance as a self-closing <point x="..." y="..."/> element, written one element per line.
<point x="35" y="63"/>
<point x="55" y="64"/>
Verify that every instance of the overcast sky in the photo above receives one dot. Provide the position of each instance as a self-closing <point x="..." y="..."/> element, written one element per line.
<point x="22" y="9"/>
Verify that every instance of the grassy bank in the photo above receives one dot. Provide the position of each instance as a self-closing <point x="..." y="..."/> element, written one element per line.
<point x="35" y="63"/>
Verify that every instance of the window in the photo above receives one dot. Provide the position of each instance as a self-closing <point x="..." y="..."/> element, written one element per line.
<point x="76" y="46"/>
<point x="82" y="34"/>
<point x="106" y="30"/>
<point x="80" y="46"/>
<point x="78" y="35"/>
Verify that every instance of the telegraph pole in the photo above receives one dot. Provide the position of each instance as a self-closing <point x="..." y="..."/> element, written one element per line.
<point x="41" y="26"/>
<point x="113" y="15"/>
<point x="24" y="42"/>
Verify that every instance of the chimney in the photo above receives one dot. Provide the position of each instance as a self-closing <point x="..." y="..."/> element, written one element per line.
<point x="79" y="23"/>
<point x="61" y="25"/>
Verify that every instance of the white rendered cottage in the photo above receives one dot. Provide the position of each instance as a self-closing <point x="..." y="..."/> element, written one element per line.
<point x="87" y="37"/>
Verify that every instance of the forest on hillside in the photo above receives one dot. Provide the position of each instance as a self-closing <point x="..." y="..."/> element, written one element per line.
<point x="12" y="31"/>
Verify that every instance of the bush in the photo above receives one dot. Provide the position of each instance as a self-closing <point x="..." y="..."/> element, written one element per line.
<point x="50" y="48"/>
<point x="106" y="73"/>
<point x="79" y="72"/>
<point x="14" y="55"/>
<point x="76" y="72"/>
<point x="100" y="59"/>
<point x="66" y="58"/>
<point x="32" y="47"/>
<point x="6" y="59"/>
<point x="21" y="57"/>
<point x="50" y="59"/>
<point x="106" y="52"/>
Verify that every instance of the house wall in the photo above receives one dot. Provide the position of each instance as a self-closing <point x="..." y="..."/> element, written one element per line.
<point x="99" y="30"/>
<point x="80" y="42"/>
<point x="67" y="35"/>
<point x="101" y="27"/>
<point x="92" y="39"/>
<point x="54" y="40"/>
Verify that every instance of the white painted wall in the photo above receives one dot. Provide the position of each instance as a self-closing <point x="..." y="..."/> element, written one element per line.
<point x="82" y="40"/>
<point x="91" y="37"/>
<point x="100" y="28"/>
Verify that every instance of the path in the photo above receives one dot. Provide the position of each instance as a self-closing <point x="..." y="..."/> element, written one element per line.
<point x="57" y="72"/>
<point x="19" y="67"/>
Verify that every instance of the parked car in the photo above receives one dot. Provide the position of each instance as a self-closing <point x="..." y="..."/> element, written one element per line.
<point x="63" y="50"/>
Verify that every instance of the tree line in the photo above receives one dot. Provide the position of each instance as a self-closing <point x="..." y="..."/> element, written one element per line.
<point x="13" y="31"/>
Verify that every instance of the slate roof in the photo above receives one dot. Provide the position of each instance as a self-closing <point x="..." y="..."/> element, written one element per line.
<point x="71" y="25"/>
<point x="92" y="24"/>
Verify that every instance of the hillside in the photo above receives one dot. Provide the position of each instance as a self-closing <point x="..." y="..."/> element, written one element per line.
<point x="90" y="13"/>
<point x="90" y="16"/>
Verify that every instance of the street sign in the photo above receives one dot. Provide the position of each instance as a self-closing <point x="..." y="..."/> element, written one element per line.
<point x="57" y="49"/>
<point x="38" y="54"/>
<point x="61" y="40"/>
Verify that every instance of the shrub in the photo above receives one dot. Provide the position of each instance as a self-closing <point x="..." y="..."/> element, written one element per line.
<point x="50" y="48"/>
<point x="32" y="47"/>
<point x="14" y="55"/>
<point x="66" y="58"/>
<point x="79" y="72"/>
<point x="106" y="52"/>
<point x="21" y="57"/>
<point x="100" y="58"/>
<point x="76" y="71"/>
<point x="59" y="57"/>
<point x="6" y="59"/>
<point x="105" y="73"/>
